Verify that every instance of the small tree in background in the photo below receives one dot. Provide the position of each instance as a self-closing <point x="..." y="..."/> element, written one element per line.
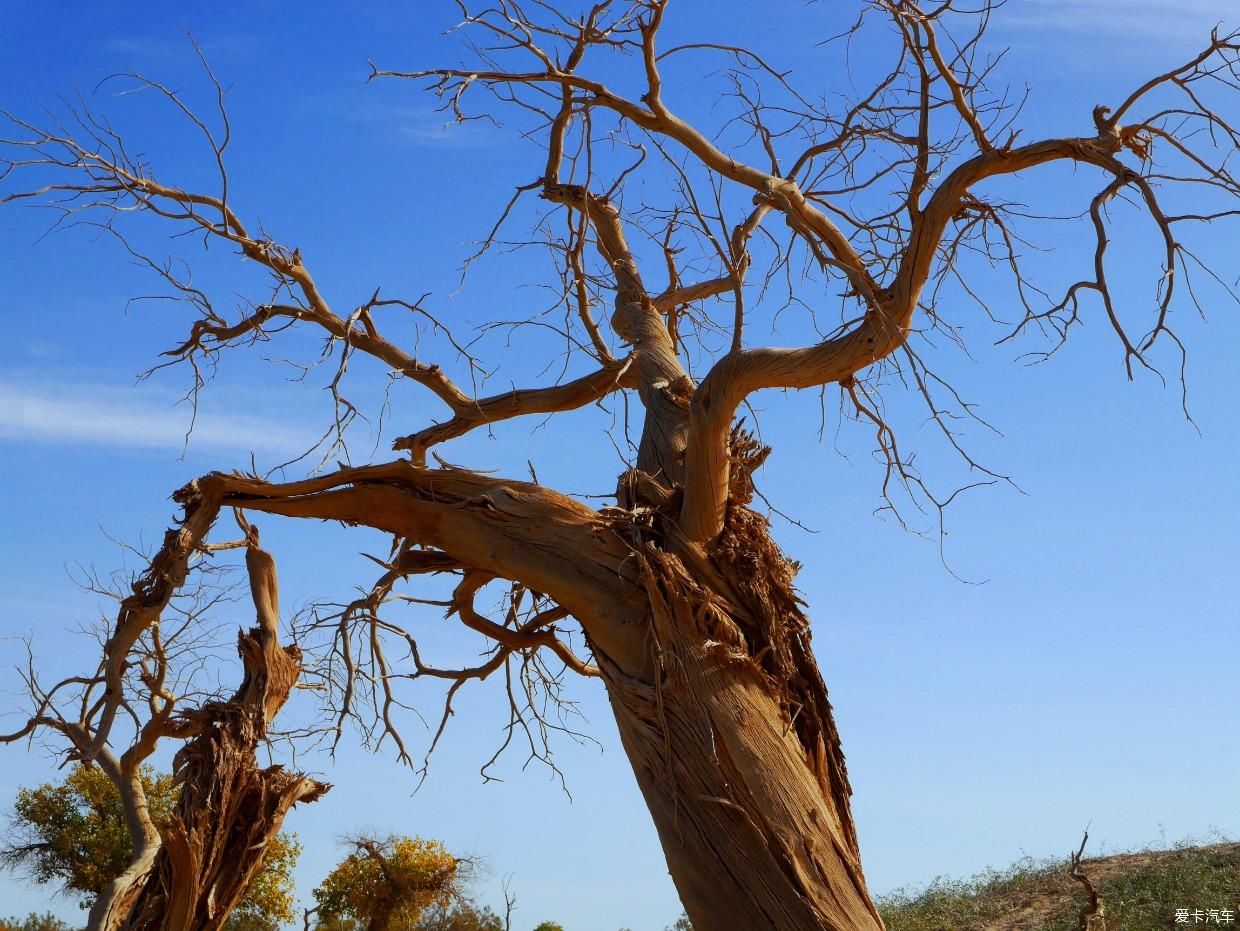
<point x="390" y="883"/>
<point x="458" y="916"/>
<point x="461" y="916"/>
<point x="34" y="922"/>
<point x="73" y="833"/>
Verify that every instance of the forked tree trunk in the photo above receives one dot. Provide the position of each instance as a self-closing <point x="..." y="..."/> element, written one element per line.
<point x="229" y="809"/>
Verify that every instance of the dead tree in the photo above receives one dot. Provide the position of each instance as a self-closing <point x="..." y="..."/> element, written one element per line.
<point x="1092" y="916"/>
<point x="191" y="872"/>
<point x="687" y="607"/>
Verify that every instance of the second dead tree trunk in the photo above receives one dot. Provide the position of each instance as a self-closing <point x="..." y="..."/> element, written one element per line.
<point x="229" y="809"/>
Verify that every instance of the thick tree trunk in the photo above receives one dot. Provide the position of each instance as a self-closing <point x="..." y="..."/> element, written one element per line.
<point x="734" y="746"/>
<point x="229" y="809"/>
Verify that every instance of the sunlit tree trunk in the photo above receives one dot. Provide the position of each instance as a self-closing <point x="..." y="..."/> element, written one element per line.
<point x="733" y="744"/>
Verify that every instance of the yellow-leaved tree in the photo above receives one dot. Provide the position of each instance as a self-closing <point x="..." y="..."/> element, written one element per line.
<point x="389" y="883"/>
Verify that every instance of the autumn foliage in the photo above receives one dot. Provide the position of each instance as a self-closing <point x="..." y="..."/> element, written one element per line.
<point x="390" y="883"/>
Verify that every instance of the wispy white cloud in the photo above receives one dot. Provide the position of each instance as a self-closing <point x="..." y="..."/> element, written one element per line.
<point x="435" y="130"/>
<point x="417" y="125"/>
<point x="130" y="417"/>
<point x="1172" y="19"/>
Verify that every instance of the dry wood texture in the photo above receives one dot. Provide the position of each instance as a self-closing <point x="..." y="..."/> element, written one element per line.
<point x="687" y="607"/>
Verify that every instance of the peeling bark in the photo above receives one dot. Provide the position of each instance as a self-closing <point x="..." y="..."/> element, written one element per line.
<point x="229" y="809"/>
<point x="732" y="737"/>
<point x="741" y="768"/>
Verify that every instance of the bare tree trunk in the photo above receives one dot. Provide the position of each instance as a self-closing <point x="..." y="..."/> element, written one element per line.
<point x="229" y="809"/>
<point x="750" y="839"/>
<point x="735" y="748"/>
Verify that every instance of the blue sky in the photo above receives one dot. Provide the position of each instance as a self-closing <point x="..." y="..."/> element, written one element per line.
<point x="1090" y="679"/>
